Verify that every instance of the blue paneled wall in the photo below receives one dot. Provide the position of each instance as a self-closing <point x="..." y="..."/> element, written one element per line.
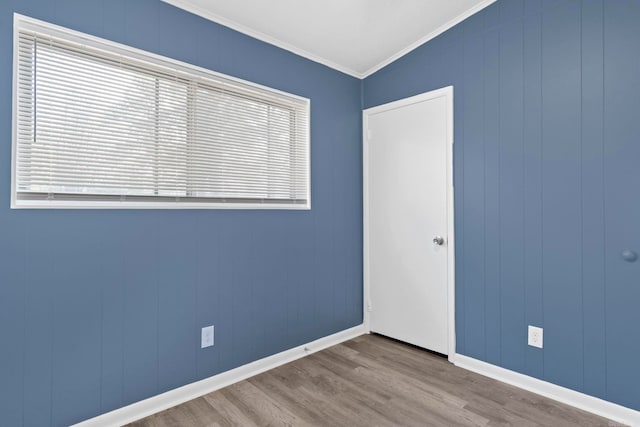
<point x="102" y="308"/>
<point x="547" y="176"/>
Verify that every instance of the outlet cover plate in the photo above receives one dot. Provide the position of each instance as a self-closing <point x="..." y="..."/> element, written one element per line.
<point x="207" y="337"/>
<point x="535" y="336"/>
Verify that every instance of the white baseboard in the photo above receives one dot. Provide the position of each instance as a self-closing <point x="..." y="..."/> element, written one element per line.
<point x="191" y="391"/>
<point x="574" y="398"/>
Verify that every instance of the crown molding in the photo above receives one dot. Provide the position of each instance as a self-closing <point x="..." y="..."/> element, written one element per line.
<point x="189" y="6"/>
<point x="192" y="8"/>
<point x="432" y="35"/>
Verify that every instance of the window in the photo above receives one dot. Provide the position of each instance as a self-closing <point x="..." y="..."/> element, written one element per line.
<point x="98" y="124"/>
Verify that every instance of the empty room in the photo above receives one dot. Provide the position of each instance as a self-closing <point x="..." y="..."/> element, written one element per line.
<point x="319" y="213"/>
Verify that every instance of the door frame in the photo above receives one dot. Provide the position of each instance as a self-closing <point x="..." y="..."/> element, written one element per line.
<point x="446" y="92"/>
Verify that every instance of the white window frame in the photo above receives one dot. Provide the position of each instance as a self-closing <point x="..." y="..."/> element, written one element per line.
<point x="22" y="23"/>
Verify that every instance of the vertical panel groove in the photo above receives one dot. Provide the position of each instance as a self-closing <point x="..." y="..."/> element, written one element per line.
<point x="604" y="205"/>
<point x="524" y="183"/>
<point x="499" y="192"/>
<point x="542" y="186"/>
<point x="581" y="185"/>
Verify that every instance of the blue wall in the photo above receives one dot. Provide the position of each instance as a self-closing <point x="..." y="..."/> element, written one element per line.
<point x="547" y="176"/>
<point x="99" y="309"/>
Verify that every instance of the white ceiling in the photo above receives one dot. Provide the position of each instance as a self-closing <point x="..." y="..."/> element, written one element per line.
<point x="357" y="37"/>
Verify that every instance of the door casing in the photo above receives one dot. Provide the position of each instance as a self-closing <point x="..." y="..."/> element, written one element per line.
<point x="446" y="92"/>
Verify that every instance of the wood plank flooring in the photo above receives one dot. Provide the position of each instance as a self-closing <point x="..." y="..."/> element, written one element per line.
<point x="371" y="381"/>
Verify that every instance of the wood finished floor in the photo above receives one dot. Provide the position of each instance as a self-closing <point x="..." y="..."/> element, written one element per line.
<point x="371" y="381"/>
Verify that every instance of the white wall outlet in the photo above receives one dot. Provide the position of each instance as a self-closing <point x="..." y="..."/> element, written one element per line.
<point x="535" y="336"/>
<point x="207" y="337"/>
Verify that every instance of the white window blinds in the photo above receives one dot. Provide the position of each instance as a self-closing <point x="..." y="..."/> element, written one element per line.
<point x="102" y="125"/>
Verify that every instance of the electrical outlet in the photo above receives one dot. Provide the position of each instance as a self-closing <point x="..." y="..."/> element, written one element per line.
<point x="206" y="337"/>
<point x="535" y="336"/>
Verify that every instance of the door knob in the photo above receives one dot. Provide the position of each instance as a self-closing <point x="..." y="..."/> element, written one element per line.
<point x="438" y="240"/>
<point x="629" y="255"/>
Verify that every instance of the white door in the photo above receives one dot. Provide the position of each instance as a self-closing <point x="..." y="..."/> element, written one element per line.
<point x="408" y="230"/>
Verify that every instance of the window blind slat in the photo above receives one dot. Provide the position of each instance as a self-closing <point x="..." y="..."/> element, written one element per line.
<point x="94" y="124"/>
